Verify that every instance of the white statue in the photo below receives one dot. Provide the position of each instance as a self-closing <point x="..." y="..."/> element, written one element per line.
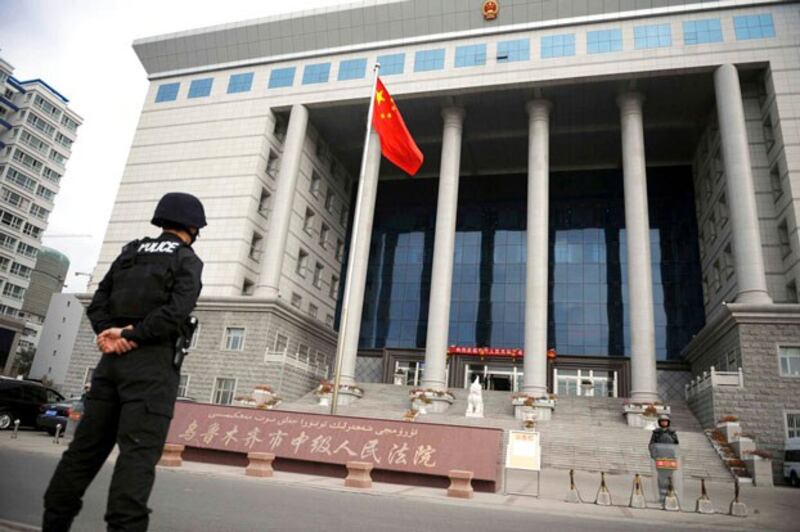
<point x="475" y="399"/>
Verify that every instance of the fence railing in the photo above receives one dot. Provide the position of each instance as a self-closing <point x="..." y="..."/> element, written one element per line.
<point x="297" y="361"/>
<point x="713" y="379"/>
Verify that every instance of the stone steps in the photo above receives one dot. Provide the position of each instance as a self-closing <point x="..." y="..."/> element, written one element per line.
<point x="588" y="434"/>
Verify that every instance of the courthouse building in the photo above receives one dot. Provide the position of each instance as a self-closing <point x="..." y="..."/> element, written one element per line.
<point x="616" y="182"/>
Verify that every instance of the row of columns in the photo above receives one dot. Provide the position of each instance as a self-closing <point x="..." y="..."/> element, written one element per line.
<point x="748" y="256"/>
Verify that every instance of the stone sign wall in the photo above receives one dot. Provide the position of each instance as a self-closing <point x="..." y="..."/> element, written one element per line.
<point x="419" y="448"/>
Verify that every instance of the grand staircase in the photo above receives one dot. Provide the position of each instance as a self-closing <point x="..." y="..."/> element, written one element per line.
<point x="590" y="434"/>
<point x="585" y="433"/>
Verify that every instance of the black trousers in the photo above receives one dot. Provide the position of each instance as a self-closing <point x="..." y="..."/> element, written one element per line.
<point x="130" y="404"/>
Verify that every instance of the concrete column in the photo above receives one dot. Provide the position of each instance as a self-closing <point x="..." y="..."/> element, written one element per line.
<point x="535" y="361"/>
<point x="443" y="251"/>
<point x="353" y="298"/>
<point x="747" y="251"/>
<point x="644" y="385"/>
<point x="285" y="186"/>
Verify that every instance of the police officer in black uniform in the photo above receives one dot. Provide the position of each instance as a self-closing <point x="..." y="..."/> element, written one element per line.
<point x="139" y="312"/>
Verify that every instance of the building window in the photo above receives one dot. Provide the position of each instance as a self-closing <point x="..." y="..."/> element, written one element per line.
<point x="391" y="64"/>
<point x="722" y="210"/>
<point x="339" y="249"/>
<point x="297" y="299"/>
<point x="316" y="183"/>
<point x="512" y="51"/>
<point x="329" y="320"/>
<point x="183" y="385"/>
<point x="167" y="92"/>
<point x="240" y="83"/>
<point x="234" y="338"/>
<point x="470" y="55"/>
<point x="604" y="41"/>
<point x="783" y="237"/>
<point x="716" y="278"/>
<point x="263" y="202"/>
<point x="281" y="77"/>
<point x="652" y="36"/>
<point x="427" y="60"/>
<point x="769" y="132"/>
<point x="754" y="27"/>
<point x="318" y="268"/>
<point x="727" y="258"/>
<point x="13" y="291"/>
<point x="200" y="88"/>
<point x="334" y="290"/>
<point x="343" y="216"/>
<point x="302" y="352"/>
<point x="329" y="197"/>
<point x="272" y="164"/>
<point x="323" y="235"/>
<point x="223" y="391"/>
<point x="255" y="246"/>
<point x="281" y="343"/>
<point x="308" y="221"/>
<point x="702" y="31"/>
<point x="558" y="46"/>
<point x="793" y="424"/>
<point x="312" y="310"/>
<point x="317" y="73"/>
<point x="302" y="263"/>
<point x="790" y="361"/>
<point x="352" y="69"/>
<point x="775" y="183"/>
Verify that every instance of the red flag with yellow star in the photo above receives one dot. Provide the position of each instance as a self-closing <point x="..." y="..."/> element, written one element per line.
<point x="397" y="145"/>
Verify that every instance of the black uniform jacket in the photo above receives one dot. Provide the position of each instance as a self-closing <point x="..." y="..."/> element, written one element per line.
<point x="153" y="285"/>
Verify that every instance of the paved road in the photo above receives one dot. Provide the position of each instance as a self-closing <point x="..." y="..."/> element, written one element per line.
<point x="189" y="502"/>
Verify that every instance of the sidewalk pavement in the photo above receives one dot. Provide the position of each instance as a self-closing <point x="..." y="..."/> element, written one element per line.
<point x="768" y="508"/>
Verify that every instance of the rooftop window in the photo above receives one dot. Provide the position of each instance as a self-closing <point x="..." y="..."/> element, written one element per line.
<point x="352" y="69"/>
<point x="427" y="60"/>
<point x="167" y="92"/>
<point x="240" y="83"/>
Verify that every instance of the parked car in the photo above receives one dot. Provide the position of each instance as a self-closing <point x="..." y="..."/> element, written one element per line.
<point x="791" y="462"/>
<point x="22" y="399"/>
<point x="61" y="413"/>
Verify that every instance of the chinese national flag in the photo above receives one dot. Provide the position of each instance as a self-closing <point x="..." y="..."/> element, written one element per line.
<point x="397" y="145"/>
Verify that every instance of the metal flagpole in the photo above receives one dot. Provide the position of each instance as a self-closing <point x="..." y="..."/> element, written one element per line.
<point x="351" y="258"/>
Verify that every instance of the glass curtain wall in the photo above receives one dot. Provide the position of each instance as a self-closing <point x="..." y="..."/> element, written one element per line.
<point x="587" y="260"/>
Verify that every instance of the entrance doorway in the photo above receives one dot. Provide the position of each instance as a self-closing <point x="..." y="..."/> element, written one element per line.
<point x="497" y="378"/>
<point x="585" y="382"/>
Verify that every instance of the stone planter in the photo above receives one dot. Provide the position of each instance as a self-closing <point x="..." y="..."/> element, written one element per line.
<point x="635" y="415"/>
<point x="324" y="399"/>
<point x="742" y="445"/>
<point x="262" y="396"/>
<point x="540" y="410"/>
<point x="436" y="402"/>
<point x="760" y="470"/>
<point x="730" y="429"/>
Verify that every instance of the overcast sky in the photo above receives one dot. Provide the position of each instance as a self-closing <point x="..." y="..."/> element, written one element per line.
<point x="82" y="48"/>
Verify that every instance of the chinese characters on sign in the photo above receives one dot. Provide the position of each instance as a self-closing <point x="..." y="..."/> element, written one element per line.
<point x="393" y="445"/>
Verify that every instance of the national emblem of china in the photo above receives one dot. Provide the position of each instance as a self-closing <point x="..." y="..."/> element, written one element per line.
<point x="490" y="9"/>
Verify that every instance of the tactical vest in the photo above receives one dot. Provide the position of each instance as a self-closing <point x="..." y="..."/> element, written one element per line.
<point x="143" y="278"/>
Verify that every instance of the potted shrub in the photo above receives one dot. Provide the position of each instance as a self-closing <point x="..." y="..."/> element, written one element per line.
<point x="730" y="428"/>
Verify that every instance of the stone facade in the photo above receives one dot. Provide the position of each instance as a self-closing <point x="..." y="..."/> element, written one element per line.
<point x="281" y="347"/>
<point x="755" y="334"/>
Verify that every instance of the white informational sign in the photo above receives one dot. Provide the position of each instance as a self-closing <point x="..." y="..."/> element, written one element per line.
<point x="524" y="450"/>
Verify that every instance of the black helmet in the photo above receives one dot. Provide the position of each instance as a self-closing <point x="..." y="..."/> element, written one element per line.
<point x="181" y="209"/>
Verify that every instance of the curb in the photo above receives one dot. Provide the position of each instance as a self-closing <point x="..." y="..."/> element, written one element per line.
<point x="17" y="527"/>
